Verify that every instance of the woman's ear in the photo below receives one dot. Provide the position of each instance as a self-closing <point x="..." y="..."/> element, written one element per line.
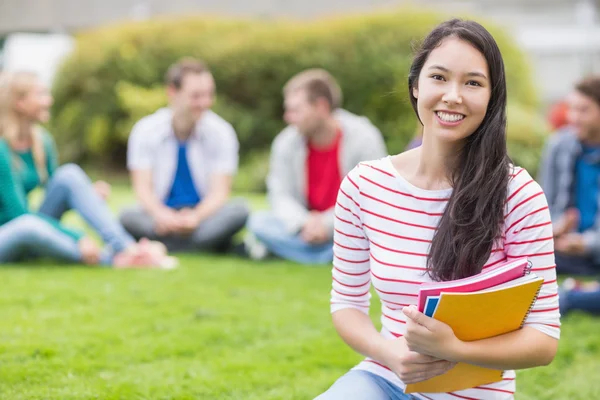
<point x="415" y="92"/>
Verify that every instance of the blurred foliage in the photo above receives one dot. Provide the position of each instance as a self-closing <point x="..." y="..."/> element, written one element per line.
<point x="115" y="77"/>
<point x="526" y="135"/>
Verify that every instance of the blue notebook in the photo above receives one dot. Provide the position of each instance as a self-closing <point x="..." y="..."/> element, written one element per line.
<point x="431" y="305"/>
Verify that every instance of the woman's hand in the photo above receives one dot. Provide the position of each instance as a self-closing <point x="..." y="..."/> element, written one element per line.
<point x="410" y="366"/>
<point x="429" y="336"/>
<point x="90" y="252"/>
<point x="103" y="189"/>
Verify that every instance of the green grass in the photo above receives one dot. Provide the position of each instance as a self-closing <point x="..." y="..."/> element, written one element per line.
<point x="215" y="328"/>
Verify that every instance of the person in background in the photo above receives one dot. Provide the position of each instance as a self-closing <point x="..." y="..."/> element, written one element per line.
<point x="28" y="160"/>
<point x="308" y="160"/>
<point x="557" y="115"/>
<point x="182" y="161"/>
<point x="576" y="157"/>
<point x="569" y="173"/>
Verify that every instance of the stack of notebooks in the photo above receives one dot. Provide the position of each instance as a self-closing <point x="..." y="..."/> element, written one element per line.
<point x="494" y="302"/>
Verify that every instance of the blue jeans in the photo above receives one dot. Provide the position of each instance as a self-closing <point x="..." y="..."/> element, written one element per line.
<point x="573" y="300"/>
<point x="30" y="236"/>
<point x="272" y="233"/>
<point x="576" y="265"/>
<point x="69" y="188"/>
<point x="364" y="385"/>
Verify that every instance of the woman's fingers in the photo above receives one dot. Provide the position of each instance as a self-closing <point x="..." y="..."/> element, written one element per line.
<point x="423" y="372"/>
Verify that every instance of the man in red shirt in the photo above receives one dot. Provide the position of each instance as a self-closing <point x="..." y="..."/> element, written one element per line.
<point x="308" y="161"/>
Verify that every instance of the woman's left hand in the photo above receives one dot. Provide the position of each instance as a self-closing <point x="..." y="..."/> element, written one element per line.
<point x="429" y="336"/>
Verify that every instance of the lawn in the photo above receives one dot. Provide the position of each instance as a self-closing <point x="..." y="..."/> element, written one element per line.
<point x="215" y="328"/>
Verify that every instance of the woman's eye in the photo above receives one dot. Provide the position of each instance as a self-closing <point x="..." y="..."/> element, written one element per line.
<point x="473" y="83"/>
<point x="437" y="77"/>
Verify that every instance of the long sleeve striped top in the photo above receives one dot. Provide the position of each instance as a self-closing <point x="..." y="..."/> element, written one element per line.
<point x="383" y="230"/>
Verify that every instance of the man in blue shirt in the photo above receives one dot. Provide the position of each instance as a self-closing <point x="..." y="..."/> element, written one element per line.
<point x="570" y="177"/>
<point x="182" y="161"/>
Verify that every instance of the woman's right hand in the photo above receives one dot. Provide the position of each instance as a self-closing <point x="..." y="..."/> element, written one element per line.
<point x="412" y="367"/>
<point x="90" y="252"/>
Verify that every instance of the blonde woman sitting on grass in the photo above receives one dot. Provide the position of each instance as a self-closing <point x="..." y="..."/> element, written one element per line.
<point x="28" y="159"/>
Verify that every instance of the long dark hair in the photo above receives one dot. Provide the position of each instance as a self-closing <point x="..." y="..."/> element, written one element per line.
<point x="473" y="219"/>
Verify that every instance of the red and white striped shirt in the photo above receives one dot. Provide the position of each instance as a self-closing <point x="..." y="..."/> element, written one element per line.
<point x="383" y="230"/>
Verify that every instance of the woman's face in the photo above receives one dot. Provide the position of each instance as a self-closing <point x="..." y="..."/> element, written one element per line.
<point x="453" y="91"/>
<point x="35" y="104"/>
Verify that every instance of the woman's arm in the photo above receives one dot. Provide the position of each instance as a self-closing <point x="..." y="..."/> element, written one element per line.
<point x="350" y="295"/>
<point x="525" y="348"/>
<point x="358" y="331"/>
<point x="12" y="195"/>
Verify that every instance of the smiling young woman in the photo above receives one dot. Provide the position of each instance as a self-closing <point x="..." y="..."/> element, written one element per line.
<point x="445" y="210"/>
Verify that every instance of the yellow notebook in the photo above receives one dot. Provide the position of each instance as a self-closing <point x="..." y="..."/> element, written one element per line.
<point x="480" y="315"/>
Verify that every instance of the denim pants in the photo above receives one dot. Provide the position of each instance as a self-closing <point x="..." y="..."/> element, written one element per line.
<point x="271" y="232"/>
<point x="364" y="385"/>
<point x="30" y="236"/>
<point x="576" y="265"/>
<point x="69" y="188"/>
<point x="576" y="300"/>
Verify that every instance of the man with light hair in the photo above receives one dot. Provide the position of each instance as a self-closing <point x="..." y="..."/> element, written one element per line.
<point x="309" y="159"/>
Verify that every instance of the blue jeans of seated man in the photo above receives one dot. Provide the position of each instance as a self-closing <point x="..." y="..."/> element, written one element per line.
<point x="29" y="236"/>
<point x="272" y="233"/>
<point x="577" y="300"/>
<point x="70" y="188"/>
<point x="576" y="265"/>
<point x="364" y="385"/>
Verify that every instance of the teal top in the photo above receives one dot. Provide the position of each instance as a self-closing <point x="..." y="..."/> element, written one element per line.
<point x="19" y="176"/>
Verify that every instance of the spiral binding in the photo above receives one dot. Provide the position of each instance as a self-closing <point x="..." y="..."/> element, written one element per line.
<point x="528" y="268"/>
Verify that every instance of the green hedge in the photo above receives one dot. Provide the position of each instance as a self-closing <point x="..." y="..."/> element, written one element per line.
<point x="115" y="77"/>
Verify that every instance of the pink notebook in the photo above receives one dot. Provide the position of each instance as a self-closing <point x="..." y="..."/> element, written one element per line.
<point x="497" y="275"/>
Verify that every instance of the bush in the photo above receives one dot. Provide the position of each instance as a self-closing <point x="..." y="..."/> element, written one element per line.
<point x="110" y="72"/>
<point x="115" y="76"/>
<point x="527" y="132"/>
